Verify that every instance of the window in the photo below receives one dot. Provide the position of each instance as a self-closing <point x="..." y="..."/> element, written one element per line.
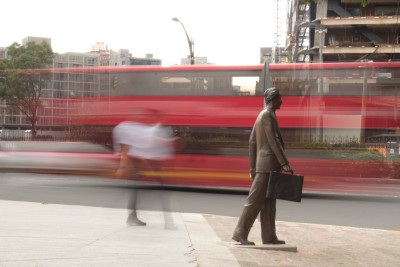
<point x="91" y="60"/>
<point x="60" y="121"/>
<point x="75" y="77"/>
<point x="59" y="85"/>
<point x="60" y="94"/>
<point x="76" y="86"/>
<point x="211" y="83"/>
<point x="75" y="58"/>
<point x="89" y="77"/>
<point x="59" y="76"/>
<point x="354" y="11"/>
<point x="45" y="121"/>
<point x="11" y="119"/>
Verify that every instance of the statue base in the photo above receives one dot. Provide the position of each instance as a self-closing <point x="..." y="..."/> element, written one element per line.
<point x="283" y="247"/>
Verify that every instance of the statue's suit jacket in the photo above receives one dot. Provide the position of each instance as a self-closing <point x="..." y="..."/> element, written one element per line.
<point x="266" y="147"/>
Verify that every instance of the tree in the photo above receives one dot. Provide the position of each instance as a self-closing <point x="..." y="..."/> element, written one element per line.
<point x="22" y="78"/>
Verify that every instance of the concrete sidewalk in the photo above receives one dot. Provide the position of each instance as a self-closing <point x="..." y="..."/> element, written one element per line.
<point x="36" y="234"/>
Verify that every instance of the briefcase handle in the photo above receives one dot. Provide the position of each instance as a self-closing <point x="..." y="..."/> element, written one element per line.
<point x="291" y="172"/>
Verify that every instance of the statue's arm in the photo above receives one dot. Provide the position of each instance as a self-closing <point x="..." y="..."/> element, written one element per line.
<point x="252" y="154"/>
<point x="270" y="124"/>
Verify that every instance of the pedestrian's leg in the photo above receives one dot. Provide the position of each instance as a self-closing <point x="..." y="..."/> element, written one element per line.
<point x="164" y="196"/>
<point x="133" y="220"/>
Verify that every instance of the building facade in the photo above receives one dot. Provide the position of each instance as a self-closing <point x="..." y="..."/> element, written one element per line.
<point x="197" y="61"/>
<point x="343" y="30"/>
<point x="124" y="58"/>
<point x="273" y="55"/>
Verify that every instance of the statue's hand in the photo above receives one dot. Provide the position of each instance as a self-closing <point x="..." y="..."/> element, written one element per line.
<point x="287" y="168"/>
<point x="252" y="174"/>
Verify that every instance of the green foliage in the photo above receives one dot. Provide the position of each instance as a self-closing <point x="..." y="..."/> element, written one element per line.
<point x="357" y="155"/>
<point x="30" y="56"/>
<point x="3" y="65"/>
<point x="395" y="158"/>
<point x="326" y="146"/>
<point x="323" y="146"/>
<point x="364" y="3"/>
<point x="21" y="81"/>
<point x="346" y="151"/>
<point x="220" y="141"/>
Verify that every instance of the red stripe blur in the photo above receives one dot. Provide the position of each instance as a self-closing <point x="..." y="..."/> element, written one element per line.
<point x="297" y="112"/>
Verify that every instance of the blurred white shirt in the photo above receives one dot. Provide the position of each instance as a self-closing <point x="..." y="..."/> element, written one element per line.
<point x="153" y="142"/>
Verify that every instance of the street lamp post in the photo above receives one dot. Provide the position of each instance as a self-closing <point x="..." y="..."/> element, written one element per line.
<point x="190" y="42"/>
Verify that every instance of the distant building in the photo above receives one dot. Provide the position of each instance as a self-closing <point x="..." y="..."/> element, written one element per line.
<point x="265" y="55"/>
<point x="148" y="60"/>
<point x="197" y="61"/>
<point x="76" y="60"/>
<point x="37" y="40"/>
<point x="125" y="58"/>
<point x="107" y="57"/>
<point x="99" y="47"/>
<point x="273" y="55"/>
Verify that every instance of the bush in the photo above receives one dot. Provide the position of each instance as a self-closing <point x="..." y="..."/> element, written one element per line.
<point x="357" y="155"/>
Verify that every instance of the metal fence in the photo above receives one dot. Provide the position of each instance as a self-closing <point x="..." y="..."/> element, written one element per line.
<point x="104" y="139"/>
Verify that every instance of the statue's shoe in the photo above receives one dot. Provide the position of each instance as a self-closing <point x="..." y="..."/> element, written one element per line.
<point x="275" y="242"/>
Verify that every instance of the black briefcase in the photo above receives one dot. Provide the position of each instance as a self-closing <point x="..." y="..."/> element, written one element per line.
<point x="285" y="186"/>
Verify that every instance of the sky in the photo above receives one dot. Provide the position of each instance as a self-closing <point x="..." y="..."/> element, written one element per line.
<point x="228" y="32"/>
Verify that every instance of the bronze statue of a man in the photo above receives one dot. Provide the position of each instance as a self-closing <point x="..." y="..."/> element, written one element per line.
<point x="267" y="154"/>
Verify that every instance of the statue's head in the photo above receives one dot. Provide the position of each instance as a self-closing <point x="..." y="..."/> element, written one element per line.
<point x="270" y="94"/>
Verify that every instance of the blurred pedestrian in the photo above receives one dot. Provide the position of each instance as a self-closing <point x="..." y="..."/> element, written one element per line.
<point x="143" y="143"/>
<point x="131" y="142"/>
<point x="161" y="155"/>
<point x="266" y="152"/>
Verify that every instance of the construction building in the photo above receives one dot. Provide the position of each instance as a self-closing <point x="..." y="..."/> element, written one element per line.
<point x="343" y="30"/>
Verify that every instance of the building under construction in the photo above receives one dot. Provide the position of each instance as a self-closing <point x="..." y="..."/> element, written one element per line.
<point x="343" y="30"/>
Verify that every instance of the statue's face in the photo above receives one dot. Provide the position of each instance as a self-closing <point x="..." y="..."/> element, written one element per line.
<point x="276" y="102"/>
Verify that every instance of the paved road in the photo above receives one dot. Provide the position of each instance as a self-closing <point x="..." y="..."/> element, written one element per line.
<point x="367" y="211"/>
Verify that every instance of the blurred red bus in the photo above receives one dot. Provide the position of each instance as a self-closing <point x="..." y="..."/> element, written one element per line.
<point x="337" y="119"/>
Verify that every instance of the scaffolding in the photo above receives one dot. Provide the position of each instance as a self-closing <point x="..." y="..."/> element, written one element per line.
<point x="279" y="53"/>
